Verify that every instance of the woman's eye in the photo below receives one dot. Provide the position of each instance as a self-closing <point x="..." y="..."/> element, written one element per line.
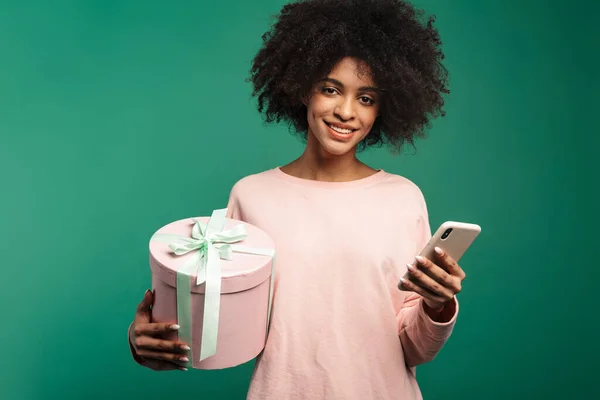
<point x="328" y="90"/>
<point x="367" y="100"/>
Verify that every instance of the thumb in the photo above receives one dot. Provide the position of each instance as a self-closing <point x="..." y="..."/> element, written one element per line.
<point x="143" y="309"/>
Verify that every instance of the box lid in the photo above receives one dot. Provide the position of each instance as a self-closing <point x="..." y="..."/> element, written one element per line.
<point x="242" y="272"/>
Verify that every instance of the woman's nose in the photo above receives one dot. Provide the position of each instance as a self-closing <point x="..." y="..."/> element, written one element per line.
<point x="345" y="109"/>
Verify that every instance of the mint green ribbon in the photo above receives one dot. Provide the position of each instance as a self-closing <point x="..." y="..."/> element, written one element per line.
<point x="210" y="244"/>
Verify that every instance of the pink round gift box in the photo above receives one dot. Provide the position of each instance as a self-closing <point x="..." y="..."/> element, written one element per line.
<point x="245" y="285"/>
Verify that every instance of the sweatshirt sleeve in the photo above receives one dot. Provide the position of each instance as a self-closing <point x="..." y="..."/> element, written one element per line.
<point x="421" y="337"/>
<point x="233" y="204"/>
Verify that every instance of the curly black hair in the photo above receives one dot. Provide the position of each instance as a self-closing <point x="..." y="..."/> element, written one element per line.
<point x="401" y="49"/>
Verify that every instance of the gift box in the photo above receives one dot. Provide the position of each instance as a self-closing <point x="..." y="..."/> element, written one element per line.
<point x="214" y="278"/>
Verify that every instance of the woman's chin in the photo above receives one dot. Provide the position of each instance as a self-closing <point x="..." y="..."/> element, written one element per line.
<point x="338" y="149"/>
<point x="331" y="146"/>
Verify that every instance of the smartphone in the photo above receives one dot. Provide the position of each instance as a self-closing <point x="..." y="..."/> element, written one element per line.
<point x="452" y="237"/>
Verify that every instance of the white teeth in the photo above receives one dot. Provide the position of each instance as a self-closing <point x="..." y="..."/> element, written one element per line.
<point x="340" y="130"/>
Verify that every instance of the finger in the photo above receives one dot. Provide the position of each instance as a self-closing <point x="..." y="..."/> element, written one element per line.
<point x="413" y="287"/>
<point x="425" y="281"/>
<point x="142" y="313"/>
<point x="159" y="365"/>
<point x="433" y="270"/>
<point x="154" y="328"/>
<point x="449" y="264"/>
<point x="437" y="275"/>
<point x="153" y="344"/>
<point x="177" y="359"/>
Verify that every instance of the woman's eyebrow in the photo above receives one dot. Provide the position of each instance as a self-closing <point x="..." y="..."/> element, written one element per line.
<point x="360" y="89"/>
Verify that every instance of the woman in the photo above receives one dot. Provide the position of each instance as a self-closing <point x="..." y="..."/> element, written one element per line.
<point x="345" y="325"/>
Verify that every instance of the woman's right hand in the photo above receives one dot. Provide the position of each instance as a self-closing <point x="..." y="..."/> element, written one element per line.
<point x="148" y="343"/>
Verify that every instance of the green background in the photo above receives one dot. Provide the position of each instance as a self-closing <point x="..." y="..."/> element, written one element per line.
<point x="117" y="117"/>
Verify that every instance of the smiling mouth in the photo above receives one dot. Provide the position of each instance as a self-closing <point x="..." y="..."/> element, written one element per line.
<point x="341" y="131"/>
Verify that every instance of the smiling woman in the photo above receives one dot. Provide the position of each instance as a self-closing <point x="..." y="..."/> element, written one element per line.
<point x="119" y="116"/>
<point x="343" y="88"/>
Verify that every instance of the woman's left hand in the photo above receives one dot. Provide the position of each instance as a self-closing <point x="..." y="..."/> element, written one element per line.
<point x="437" y="282"/>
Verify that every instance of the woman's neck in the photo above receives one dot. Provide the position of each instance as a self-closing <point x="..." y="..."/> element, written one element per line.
<point x="314" y="165"/>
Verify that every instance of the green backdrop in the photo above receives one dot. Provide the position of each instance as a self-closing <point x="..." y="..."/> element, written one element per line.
<point x="117" y="117"/>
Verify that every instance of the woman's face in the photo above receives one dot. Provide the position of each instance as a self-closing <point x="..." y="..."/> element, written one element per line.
<point x="342" y="109"/>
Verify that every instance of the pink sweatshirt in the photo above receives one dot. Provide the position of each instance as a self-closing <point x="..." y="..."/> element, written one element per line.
<point x="341" y="329"/>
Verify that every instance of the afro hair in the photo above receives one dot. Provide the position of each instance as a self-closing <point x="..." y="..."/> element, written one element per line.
<point x="401" y="48"/>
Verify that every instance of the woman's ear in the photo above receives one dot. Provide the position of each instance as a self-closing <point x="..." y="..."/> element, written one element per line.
<point x="305" y="98"/>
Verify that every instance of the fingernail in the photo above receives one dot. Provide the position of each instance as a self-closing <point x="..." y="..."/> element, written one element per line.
<point x="174" y="327"/>
<point x="184" y="359"/>
<point x="438" y="251"/>
<point x="186" y="348"/>
<point x="182" y="369"/>
<point x="420" y="259"/>
<point x="410" y="268"/>
<point x="147" y="291"/>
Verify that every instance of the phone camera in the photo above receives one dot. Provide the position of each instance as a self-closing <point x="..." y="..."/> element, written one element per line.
<point x="447" y="233"/>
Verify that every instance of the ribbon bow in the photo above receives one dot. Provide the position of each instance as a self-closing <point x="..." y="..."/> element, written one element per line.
<point x="206" y="239"/>
<point x="210" y="244"/>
